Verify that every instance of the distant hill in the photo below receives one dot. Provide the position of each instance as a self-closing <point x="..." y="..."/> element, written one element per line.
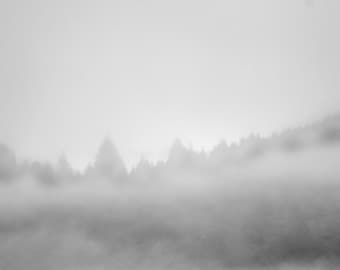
<point x="109" y="165"/>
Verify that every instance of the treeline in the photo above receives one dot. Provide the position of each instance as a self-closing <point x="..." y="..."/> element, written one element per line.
<point x="109" y="165"/>
<point x="268" y="202"/>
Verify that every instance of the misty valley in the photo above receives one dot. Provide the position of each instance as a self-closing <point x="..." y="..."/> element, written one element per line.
<point x="265" y="203"/>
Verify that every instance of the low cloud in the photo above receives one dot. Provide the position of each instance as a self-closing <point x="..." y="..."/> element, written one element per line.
<point x="267" y="203"/>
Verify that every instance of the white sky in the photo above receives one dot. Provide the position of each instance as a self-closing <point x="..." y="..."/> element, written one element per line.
<point x="146" y="72"/>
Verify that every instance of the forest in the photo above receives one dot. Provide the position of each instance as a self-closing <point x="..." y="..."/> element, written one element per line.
<point x="262" y="203"/>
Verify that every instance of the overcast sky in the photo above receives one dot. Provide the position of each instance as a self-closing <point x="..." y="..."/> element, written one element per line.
<point x="145" y="72"/>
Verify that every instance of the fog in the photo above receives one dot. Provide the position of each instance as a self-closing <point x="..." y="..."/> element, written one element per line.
<point x="265" y="203"/>
<point x="94" y="93"/>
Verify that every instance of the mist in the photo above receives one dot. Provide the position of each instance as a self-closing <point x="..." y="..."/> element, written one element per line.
<point x="186" y="135"/>
<point x="266" y="203"/>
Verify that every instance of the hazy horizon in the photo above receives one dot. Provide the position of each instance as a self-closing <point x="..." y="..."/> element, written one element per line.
<point x="178" y="142"/>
